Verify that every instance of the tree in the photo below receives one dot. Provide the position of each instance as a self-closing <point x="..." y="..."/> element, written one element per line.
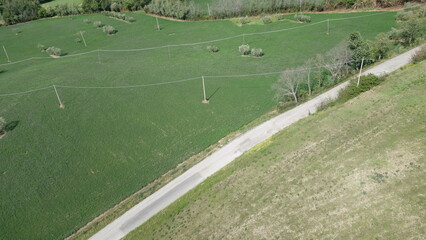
<point x="336" y="60"/>
<point x="411" y="29"/>
<point x="288" y="83"/>
<point x="360" y="50"/>
<point x="381" y="46"/>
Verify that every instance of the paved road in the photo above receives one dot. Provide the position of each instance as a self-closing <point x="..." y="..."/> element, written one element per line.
<point x="197" y="174"/>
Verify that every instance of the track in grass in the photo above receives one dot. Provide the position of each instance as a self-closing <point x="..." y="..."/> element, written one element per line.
<point x="62" y="167"/>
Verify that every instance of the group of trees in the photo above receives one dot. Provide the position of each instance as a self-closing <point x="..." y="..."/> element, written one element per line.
<point x="336" y="64"/>
<point x="14" y="11"/>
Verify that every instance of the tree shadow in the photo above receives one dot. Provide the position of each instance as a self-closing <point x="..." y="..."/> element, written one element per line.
<point x="2" y="71"/>
<point x="11" y="126"/>
<point x="214" y="93"/>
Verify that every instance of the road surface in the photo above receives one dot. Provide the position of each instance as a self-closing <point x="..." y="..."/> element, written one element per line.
<point x="213" y="163"/>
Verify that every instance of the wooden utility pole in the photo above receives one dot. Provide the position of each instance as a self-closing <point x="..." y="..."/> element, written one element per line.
<point x="5" y="52"/>
<point x="59" y="99"/>
<point x="158" y="24"/>
<point x="328" y="26"/>
<point x="84" y="40"/>
<point x="360" y="71"/>
<point x="204" y="91"/>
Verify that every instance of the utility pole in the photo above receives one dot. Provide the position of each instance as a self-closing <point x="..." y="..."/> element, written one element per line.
<point x="158" y="25"/>
<point x="5" y="52"/>
<point x="59" y="99"/>
<point x="360" y="70"/>
<point x="328" y="26"/>
<point x="204" y="91"/>
<point x="84" y="41"/>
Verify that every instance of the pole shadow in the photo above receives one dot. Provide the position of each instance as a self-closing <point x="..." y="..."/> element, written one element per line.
<point x="214" y="93"/>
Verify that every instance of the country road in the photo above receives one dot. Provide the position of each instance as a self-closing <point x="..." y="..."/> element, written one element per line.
<point x="223" y="156"/>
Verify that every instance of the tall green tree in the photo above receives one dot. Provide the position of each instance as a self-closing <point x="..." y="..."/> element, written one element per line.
<point x="360" y="50"/>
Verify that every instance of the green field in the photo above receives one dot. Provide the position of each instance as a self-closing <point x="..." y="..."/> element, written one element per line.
<point x="353" y="171"/>
<point x="60" y="168"/>
<point x="57" y="2"/>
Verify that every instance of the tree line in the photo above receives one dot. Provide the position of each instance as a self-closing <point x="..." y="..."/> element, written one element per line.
<point x="332" y="67"/>
<point x="15" y="11"/>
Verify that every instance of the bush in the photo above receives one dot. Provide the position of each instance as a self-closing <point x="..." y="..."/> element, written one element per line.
<point x="419" y="55"/>
<point x="281" y="17"/>
<point x="54" y="51"/>
<point x="109" y="30"/>
<point x="130" y="19"/>
<point x="16" y="31"/>
<point x="41" y="47"/>
<point x="257" y="52"/>
<point x="302" y="18"/>
<point x="365" y="84"/>
<point x="244" y="49"/>
<point x="98" y="24"/>
<point x="86" y="21"/>
<point x="212" y="49"/>
<point x="244" y="20"/>
<point x="77" y="40"/>
<point x="266" y="20"/>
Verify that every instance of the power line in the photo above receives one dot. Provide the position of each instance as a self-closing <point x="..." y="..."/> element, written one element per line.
<point x="195" y="43"/>
<point x="169" y="82"/>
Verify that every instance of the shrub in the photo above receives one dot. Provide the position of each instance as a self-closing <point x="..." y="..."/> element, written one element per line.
<point x="212" y="49"/>
<point x="404" y="16"/>
<point x="257" y="52"/>
<point x="409" y="6"/>
<point x="54" y="51"/>
<point x="302" y="18"/>
<point x="130" y="19"/>
<point x="41" y="47"/>
<point x="420" y="55"/>
<point x="266" y="20"/>
<point x="244" y="49"/>
<point x="109" y="30"/>
<point x="365" y="84"/>
<point x="244" y="20"/>
<point x="86" y="21"/>
<point x="281" y="17"/>
<point x="98" y="24"/>
<point x="77" y="40"/>
<point x="16" y="31"/>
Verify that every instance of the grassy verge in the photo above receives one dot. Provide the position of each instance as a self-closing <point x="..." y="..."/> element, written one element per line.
<point x="354" y="170"/>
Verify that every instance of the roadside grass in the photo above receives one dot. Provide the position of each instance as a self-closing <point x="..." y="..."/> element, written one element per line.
<point x="354" y="170"/>
<point x="61" y="168"/>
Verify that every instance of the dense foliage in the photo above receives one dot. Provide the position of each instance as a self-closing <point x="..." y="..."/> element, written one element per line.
<point x="15" y="11"/>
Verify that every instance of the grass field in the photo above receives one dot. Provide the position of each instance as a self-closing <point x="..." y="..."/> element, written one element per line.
<point x="57" y="2"/>
<point x="60" y="168"/>
<point x="354" y="171"/>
